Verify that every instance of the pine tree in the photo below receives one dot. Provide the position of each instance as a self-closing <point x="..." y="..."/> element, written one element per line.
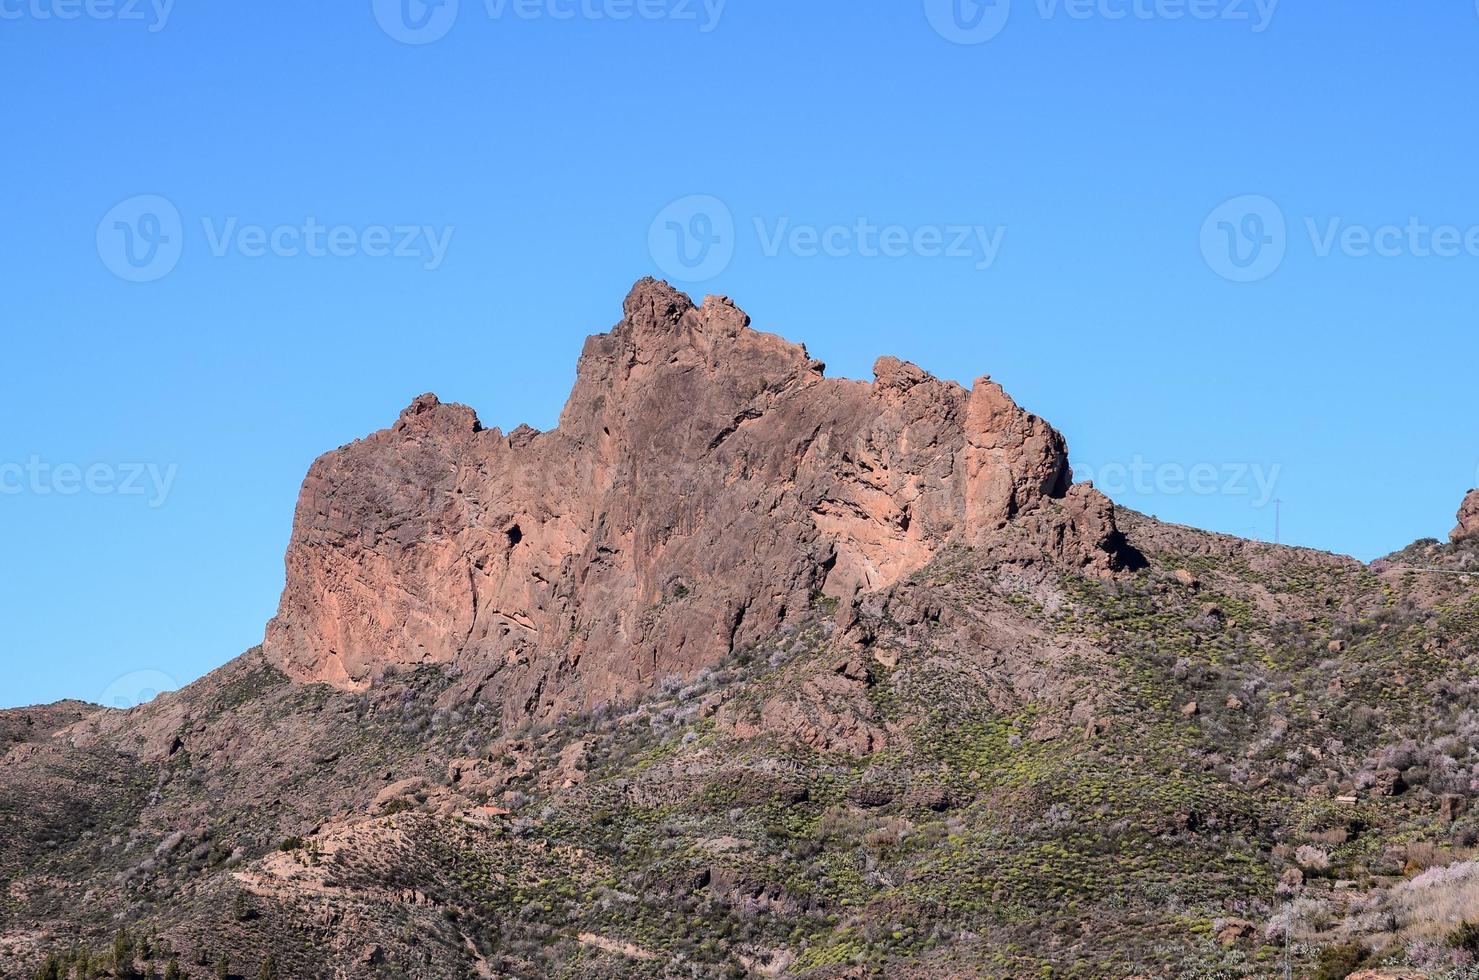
<point x="51" y="969"/>
<point x="269" y="968"/>
<point x="172" y="971"/>
<point x="223" y="968"/>
<point x="123" y="954"/>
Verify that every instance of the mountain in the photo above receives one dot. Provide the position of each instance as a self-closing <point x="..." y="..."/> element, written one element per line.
<point x="705" y="480"/>
<point x="743" y="671"/>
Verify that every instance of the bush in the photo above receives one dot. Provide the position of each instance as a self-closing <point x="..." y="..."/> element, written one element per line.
<point x="1466" y="937"/>
<point x="1339" y="962"/>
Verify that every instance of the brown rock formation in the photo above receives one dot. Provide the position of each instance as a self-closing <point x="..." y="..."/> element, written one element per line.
<point x="704" y="483"/>
<point x="1468" y="518"/>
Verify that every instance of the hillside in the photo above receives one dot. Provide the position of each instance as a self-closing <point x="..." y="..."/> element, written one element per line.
<point x="747" y="672"/>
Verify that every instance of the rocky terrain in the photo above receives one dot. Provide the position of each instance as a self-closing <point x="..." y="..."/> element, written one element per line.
<point x="747" y="672"/>
<point x="705" y="480"/>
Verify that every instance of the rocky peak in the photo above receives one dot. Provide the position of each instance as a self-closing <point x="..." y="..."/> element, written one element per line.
<point x="1468" y="518"/>
<point x="705" y="482"/>
<point x="427" y="413"/>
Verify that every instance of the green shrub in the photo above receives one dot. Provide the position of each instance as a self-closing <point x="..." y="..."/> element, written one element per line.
<point x="123" y="954"/>
<point x="1339" y="962"/>
<point x="1466" y="937"/>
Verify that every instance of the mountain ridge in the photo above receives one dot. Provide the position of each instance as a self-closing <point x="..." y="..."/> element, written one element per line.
<point x="764" y="674"/>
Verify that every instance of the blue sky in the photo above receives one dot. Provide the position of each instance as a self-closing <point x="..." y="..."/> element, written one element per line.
<point x="339" y="206"/>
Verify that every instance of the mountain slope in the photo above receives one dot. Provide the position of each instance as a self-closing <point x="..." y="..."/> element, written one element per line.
<point x="972" y="721"/>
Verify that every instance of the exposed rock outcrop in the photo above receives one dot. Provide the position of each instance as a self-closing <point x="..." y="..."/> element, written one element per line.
<point x="705" y="483"/>
<point x="1468" y="518"/>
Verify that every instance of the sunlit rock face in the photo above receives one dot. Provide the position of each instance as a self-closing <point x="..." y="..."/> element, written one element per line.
<point x="705" y="484"/>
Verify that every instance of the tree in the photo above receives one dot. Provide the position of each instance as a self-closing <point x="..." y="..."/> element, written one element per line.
<point x="269" y="968"/>
<point x="51" y="969"/>
<point x="223" y="968"/>
<point x="172" y="971"/>
<point x="123" y="954"/>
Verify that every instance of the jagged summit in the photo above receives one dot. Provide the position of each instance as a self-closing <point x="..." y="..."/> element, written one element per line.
<point x="705" y="480"/>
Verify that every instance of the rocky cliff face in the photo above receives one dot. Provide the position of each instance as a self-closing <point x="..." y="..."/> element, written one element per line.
<point x="1468" y="518"/>
<point x="705" y="484"/>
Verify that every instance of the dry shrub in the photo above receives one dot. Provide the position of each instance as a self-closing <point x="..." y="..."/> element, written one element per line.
<point x="1437" y="902"/>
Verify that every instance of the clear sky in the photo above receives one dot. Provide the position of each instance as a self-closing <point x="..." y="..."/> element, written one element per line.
<point x="1227" y="247"/>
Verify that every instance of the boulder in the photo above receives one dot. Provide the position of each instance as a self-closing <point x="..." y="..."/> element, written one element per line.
<point x="1468" y="518"/>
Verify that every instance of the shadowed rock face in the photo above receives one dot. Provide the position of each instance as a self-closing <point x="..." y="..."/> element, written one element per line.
<point x="1468" y="518"/>
<point x="704" y="484"/>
